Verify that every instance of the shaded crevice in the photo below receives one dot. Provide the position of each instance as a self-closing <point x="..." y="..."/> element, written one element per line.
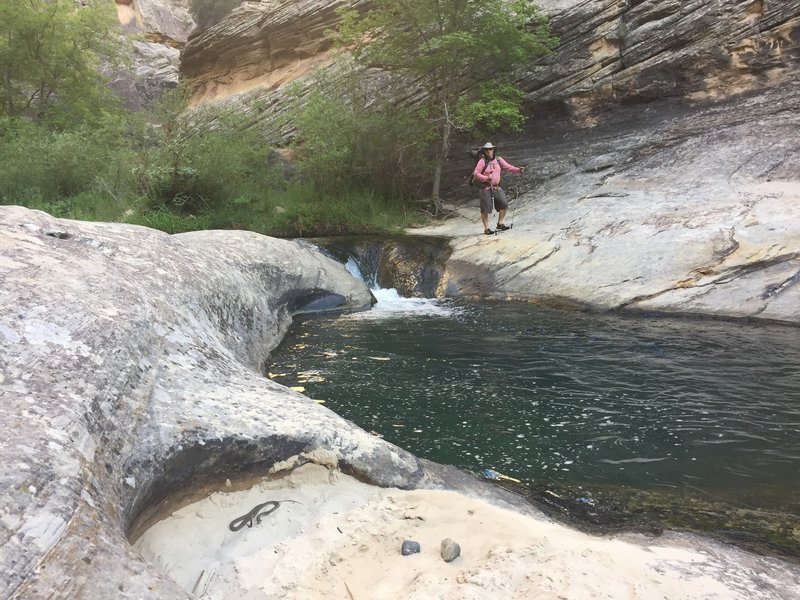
<point x="752" y="267"/>
<point x="776" y="290"/>
<point x="197" y="465"/>
<point x="539" y="261"/>
<point x="769" y="293"/>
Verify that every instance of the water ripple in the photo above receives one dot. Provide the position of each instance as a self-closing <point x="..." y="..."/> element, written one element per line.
<point x="568" y="396"/>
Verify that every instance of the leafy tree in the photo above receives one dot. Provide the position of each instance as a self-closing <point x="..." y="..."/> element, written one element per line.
<point x="447" y="46"/>
<point x="50" y="53"/>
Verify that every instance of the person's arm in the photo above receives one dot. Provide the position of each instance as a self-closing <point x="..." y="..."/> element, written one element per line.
<point x="480" y="172"/>
<point x="507" y="166"/>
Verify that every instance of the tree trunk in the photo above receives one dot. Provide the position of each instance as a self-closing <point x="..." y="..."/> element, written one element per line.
<point x="437" y="176"/>
<point x="437" y="201"/>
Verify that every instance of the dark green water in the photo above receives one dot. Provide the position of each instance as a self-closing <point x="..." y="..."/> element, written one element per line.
<point x="567" y="397"/>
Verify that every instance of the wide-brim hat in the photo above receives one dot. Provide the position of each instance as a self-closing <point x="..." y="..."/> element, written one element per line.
<point x="488" y="146"/>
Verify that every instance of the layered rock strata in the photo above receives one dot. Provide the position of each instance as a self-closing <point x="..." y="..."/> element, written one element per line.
<point x="610" y="52"/>
<point x="165" y="26"/>
<point x="623" y="51"/>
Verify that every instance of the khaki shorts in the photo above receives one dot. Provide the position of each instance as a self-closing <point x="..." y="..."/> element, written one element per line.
<point x="490" y="197"/>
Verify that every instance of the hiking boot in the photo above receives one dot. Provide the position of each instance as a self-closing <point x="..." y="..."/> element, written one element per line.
<point x="501" y="227"/>
<point x="488" y="232"/>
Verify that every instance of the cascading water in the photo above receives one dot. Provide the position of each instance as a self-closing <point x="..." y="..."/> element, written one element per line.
<point x="389" y="302"/>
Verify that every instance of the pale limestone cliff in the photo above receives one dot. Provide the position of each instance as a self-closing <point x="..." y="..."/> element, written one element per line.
<point x="165" y="26"/>
<point x="163" y="21"/>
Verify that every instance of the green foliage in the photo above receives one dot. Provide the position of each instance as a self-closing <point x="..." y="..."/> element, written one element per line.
<point x="446" y="39"/>
<point x="497" y="108"/>
<point x="188" y="167"/>
<point x="347" y="140"/>
<point x="50" y="54"/>
<point x="38" y="165"/>
<point x="210" y="12"/>
<point x="448" y="46"/>
<point x="353" y="211"/>
<point x="170" y="222"/>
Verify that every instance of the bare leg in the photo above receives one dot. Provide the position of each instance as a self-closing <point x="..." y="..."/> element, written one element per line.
<point x="501" y="214"/>
<point x="485" y="219"/>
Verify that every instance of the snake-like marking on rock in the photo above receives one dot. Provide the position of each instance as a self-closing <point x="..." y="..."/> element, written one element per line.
<point x="256" y="513"/>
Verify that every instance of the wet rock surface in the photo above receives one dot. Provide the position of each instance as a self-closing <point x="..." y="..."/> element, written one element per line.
<point x="414" y="266"/>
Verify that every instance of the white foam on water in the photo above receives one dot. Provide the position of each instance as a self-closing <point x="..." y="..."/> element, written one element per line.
<point x="390" y="304"/>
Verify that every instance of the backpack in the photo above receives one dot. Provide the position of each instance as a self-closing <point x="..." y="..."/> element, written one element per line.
<point x="474" y="182"/>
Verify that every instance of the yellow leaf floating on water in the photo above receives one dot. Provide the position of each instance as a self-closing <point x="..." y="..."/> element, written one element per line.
<point x="378" y="357"/>
<point x="309" y="377"/>
<point x="319" y="401"/>
<point x="297" y="388"/>
<point x="274" y="375"/>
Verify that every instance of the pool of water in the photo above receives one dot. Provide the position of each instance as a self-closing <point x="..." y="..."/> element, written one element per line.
<point x="570" y="397"/>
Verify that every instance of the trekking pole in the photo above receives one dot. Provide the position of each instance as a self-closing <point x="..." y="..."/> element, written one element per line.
<point x="493" y="211"/>
<point x="514" y="207"/>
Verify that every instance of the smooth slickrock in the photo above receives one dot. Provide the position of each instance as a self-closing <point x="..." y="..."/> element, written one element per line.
<point x="668" y="207"/>
<point x="131" y="367"/>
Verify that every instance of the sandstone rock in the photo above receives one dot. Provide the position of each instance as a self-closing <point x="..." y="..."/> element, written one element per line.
<point x="155" y="70"/>
<point x="131" y="367"/>
<point x="157" y="64"/>
<point x="610" y="52"/>
<point x="667" y="208"/>
<point x="163" y="21"/>
<point x="259" y="46"/>
<point x="449" y="550"/>
<point x="615" y="51"/>
<point x="166" y="25"/>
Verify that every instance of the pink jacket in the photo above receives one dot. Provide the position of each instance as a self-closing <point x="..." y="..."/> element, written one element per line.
<point x="492" y="173"/>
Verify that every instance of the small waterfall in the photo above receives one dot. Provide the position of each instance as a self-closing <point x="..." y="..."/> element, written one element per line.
<point x="404" y="273"/>
<point x="390" y="302"/>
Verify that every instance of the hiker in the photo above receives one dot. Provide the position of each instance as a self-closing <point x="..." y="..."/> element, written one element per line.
<point x="487" y="174"/>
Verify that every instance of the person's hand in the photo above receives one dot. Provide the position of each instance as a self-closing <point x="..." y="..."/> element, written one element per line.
<point x="522" y="169"/>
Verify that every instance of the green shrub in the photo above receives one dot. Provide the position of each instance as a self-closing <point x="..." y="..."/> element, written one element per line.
<point x="199" y="161"/>
<point x="497" y="107"/>
<point x="348" y="139"/>
<point x="38" y="165"/>
<point x="170" y="222"/>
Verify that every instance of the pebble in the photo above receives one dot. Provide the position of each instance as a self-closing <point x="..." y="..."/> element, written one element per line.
<point x="410" y="547"/>
<point x="450" y="550"/>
